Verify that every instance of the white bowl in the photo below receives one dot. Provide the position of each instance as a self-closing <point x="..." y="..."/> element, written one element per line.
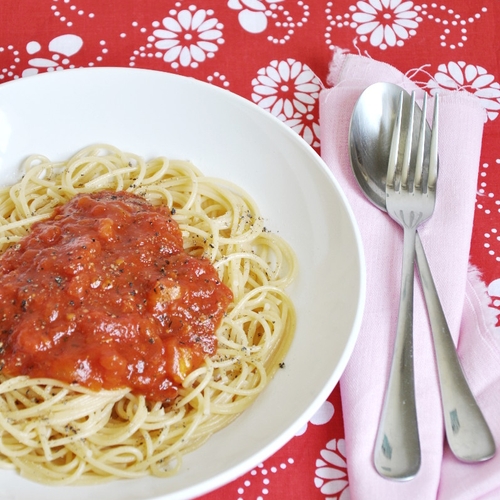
<point x="153" y="113"/>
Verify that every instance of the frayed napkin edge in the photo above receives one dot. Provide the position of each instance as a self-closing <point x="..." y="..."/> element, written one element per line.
<point x="480" y="288"/>
<point x="338" y="63"/>
<point x="481" y="302"/>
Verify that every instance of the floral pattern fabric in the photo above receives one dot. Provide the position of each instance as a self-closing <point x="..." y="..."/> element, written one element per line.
<point x="276" y="53"/>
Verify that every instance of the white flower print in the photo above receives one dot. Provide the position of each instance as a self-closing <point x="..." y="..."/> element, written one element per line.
<point x="388" y="22"/>
<point x="306" y="127"/>
<point x="331" y="471"/>
<point x="278" y="18"/>
<point x="322" y="416"/>
<point x="253" y="14"/>
<point x="289" y="90"/>
<point x="472" y="78"/>
<point x="494" y="292"/>
<point x="61" y="47"/>
<point x="189" y="37"/>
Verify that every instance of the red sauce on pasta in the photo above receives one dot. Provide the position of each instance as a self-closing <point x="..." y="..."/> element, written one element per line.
<point x="102" y="294"/>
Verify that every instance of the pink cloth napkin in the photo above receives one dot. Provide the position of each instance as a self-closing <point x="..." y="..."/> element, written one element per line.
<point x="446" y="238"/>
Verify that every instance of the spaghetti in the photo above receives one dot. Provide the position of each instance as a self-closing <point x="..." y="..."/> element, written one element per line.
<point x="60" y="433"/>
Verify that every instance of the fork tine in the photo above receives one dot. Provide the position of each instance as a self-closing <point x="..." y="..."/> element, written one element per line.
<point x="419" y="162"/>
<point x="433" y="161"/>
<point x="394" y="151"/>
<point x="405" y="168"/>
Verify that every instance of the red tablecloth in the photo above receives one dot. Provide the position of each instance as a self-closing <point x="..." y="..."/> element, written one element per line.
<point x="276" y="53"/>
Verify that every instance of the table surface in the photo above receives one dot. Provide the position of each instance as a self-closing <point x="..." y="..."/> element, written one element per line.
<point x="264" y="50"/>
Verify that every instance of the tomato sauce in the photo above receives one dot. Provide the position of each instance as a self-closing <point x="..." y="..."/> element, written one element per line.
<point x="102" y="294"/>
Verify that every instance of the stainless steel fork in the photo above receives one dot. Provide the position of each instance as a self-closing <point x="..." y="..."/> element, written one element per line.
<point x="410" y="200"/>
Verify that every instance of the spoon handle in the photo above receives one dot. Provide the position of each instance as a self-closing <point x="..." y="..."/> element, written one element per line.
<point x="467" y="431"/>
<point x="397" y="446"/>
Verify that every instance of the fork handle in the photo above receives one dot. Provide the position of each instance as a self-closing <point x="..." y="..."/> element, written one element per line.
<point x="397" y="446"/>
<point x="467" y="431"/>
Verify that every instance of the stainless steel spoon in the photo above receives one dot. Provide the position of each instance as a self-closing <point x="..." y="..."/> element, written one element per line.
<point x="467" y="431"/>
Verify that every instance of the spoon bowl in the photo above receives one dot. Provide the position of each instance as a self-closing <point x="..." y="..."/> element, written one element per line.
<point x="370" y="136"/>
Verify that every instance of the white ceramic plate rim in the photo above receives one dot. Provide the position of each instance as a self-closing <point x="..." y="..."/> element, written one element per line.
<point x="93" y="104"/>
